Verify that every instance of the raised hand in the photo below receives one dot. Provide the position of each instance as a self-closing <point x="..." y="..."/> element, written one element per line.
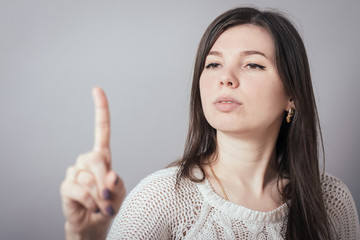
<point x="91" y="192"/>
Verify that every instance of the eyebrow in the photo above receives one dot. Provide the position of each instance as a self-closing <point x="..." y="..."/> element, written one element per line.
<point x="253" y="52"/>
<point x="245" y="53"/>
<point x="215" y="53"/>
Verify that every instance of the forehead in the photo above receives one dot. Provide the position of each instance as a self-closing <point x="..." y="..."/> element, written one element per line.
<point x="244" y="38"/>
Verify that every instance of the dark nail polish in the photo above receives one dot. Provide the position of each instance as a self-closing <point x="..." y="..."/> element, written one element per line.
<point x="106" y="194"/>
<point x="117" y="180"/>
<point x="97" y="210"/>
<point x="109" y="210"/>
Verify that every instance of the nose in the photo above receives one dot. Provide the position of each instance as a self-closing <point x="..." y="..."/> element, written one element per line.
<point x="229" y="79"/>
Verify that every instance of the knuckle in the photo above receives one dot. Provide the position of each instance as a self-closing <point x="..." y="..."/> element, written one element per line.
<point x="84" y="196"/>
<point x="86" y="178"/>
<point x="85" y="159"/>
<point x="121" y="184"/>
<point x="98" y="158"/>
<point x="89" y="181"/>
<point x="120" y="189"/>
<point x="64" y="188"/>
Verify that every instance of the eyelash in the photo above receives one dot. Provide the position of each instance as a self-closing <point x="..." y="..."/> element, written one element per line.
<point x="251" y="66"/>
<point x="212" y="65"/>
<point x="254" y="66"/>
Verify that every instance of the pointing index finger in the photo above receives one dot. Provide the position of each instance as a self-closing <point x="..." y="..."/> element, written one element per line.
<point x="102" y="120"/>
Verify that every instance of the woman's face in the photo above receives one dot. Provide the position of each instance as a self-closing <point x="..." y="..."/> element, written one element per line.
<point x="241" y="91"/>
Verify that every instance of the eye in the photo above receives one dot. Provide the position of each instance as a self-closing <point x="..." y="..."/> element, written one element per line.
<point x="254" y="66"/>
<point x="213" y="65"/>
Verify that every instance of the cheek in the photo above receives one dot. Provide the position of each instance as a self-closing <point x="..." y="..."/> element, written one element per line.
<point x="273" y="97"/>
<point x="206" y="93"/>
<point x="205" y="88"/>
<point x="265" y="94"/>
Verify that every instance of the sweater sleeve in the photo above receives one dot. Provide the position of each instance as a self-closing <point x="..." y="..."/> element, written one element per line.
<point x="145" y="213"/>
<point x="341" y="208"/>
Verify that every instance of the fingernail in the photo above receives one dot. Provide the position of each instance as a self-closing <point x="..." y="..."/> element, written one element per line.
<point x="106" y="194"/>
<point x="109" y="210"/>
<point x="116" y="180"/>
<point x="97" y="210"/>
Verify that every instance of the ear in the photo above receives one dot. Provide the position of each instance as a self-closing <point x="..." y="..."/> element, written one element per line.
<point x="290" y="104"/>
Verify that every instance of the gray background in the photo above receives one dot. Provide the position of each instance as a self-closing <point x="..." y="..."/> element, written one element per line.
<point x="53" y="52"/>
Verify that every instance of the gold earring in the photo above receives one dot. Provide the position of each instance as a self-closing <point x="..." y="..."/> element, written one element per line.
<point x="290" y="114"/>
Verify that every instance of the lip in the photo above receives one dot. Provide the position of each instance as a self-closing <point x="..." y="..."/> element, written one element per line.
<point x="226" y="103"/>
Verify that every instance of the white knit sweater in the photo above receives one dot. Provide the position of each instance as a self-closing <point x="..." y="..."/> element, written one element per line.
<point x="155" y="210"/>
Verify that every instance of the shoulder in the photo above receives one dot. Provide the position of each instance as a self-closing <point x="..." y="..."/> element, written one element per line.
<point x="340" y="207"/>
<point x="163" y="177"/>
<point x="335" y="191"/>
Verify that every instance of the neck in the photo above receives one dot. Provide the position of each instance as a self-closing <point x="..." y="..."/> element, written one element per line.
<point x="250" y="163"/>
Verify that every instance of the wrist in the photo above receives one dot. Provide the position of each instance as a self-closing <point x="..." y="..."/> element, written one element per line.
<point x="72" y="234"/>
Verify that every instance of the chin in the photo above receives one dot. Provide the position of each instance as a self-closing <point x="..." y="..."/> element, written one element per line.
<point x="230" y="128"/>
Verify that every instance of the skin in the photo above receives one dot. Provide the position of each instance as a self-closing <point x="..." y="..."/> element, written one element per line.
<point x="246" y="135"/>
<point x="91" y="192"/>
<point x="240" y="69"/>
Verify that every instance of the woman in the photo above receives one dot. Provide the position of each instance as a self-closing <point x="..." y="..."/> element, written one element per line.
<point x="250" y="166"/>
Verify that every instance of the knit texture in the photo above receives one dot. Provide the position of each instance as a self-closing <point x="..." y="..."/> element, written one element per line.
<point x="155" y="209"/>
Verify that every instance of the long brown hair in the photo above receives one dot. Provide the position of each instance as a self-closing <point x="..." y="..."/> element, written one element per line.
<point x="297" y="146"/>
